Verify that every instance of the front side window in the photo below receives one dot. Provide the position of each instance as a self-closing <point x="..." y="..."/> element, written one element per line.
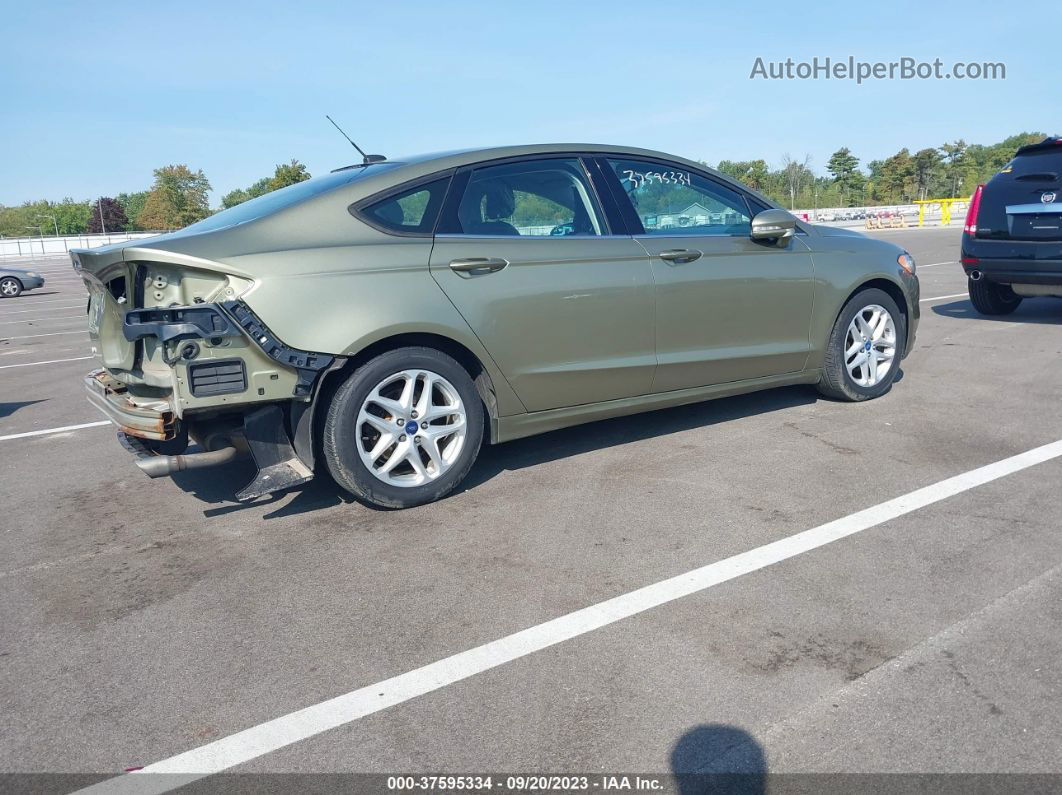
<point x="671" y="200"/>
<point x="533" y="198"/>
<point x="412" y="211"/>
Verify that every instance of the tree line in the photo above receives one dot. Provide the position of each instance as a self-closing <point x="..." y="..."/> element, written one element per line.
<point x="951" y="170"/>
<point x="178" y="197"/>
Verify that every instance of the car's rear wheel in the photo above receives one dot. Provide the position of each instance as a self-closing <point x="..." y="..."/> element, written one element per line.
<point x="404" y="428"/>
<point x="864" y="349"/>
<point x="992" y="298"/>
<point x="10" y="287"/>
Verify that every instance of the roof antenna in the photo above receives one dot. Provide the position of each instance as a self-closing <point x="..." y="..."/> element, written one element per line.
<point x="366" y="159"/>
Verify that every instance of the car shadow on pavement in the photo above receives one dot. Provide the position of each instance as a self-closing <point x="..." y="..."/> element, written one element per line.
<point x="534" y="450"/>
<point x="7" y="409"/>
<point x="218" y="486"/>
<point x="718" y="758"/>
<point x="1040" y="310"/>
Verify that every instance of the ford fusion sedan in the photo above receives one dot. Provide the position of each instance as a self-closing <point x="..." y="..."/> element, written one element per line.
<point x="14" y="282"/>
<point x="385" y="321"/>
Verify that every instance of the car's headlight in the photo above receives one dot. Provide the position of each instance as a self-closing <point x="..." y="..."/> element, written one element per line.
<point x="906" y="261"/>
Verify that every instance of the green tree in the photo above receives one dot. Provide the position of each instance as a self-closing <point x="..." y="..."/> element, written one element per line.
<point x="178" y="198"/>
<point x="894" y="177"/>
<point x="925" y="168"/>
<point x="234" y="197"/>
<point x="753" y="173"/>
<point x="132" y="205"/>
<point x="288" y="174"/>
<point x="844" y="168"/>
<point x="285" y="174"/>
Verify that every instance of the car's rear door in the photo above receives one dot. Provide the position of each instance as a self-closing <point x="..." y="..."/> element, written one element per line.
<point x="525" y="252"/>
<point x="728" y="308"/>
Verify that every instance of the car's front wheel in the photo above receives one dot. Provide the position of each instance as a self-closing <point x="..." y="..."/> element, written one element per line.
<point x="404" y="428"/>
<point x="10" y="287"/>
<point x="992" y="298"/>
<point x="864" y="349"/>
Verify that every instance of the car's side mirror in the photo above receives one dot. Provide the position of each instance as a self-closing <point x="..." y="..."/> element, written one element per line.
<point x="773" y="225"/>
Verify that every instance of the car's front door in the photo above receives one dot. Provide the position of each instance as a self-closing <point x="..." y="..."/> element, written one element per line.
<point x="728" y="308"/>
<point x="565" y="308"/>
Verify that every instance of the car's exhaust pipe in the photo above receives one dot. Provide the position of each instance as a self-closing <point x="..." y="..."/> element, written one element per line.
<point x="976" y="276"/>
<point x="159" y="466"/>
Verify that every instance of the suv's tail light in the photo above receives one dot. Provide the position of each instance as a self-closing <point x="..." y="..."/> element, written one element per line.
<point x="970" y="227"/>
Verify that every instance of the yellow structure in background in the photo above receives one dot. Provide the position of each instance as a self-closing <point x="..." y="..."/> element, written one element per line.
<point x="945" y="209"/>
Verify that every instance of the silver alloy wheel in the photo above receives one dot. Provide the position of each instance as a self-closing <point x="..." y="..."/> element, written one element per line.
<point x="9" y="287"/>
<point x="870" y="345"/>
<point x="411" y="428"/>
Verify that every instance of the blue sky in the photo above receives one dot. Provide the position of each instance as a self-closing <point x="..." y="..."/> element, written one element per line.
<point x="96" y="96"/>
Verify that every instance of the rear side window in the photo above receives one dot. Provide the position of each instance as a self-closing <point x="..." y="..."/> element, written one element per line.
<point x="529" y="198"/>
<point x="412" y="211"/>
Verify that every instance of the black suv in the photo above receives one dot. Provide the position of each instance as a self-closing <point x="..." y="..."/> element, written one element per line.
<point x="1012" y="240"/>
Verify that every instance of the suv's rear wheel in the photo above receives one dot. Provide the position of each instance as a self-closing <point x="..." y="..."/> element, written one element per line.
<point x="10" y="287"/>
<point x="864" y="349"/>
<point x="404" y="428"/>
<point x="992" y="298"/>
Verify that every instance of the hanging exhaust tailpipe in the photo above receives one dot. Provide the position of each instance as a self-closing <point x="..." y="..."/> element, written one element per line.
<point x="159" y="466"/>
<point x="976" y="276"/>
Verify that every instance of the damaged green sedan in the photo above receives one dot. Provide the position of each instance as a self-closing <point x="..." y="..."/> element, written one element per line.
<point x="386" y="320"/>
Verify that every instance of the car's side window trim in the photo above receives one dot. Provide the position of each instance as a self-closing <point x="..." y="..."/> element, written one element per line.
<point x="613" y="209"/>
<point x="630" y="216"/>
<point x="448" y="225"/>
<point x="435" y="204"/>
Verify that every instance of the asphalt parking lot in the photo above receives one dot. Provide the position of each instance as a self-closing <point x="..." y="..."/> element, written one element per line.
<point x="145" y="619"/>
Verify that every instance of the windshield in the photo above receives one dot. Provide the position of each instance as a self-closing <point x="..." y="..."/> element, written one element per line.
<point x="286" y="197"/>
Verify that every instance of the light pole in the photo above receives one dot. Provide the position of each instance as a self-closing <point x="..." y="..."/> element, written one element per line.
<point x="99" y="206"/>
<point x="54" y="223"/>
<point x="40" y="230"/>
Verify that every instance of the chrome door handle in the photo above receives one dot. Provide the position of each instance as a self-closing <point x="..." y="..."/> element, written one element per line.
<point x="478" y="264"/>
<point x="680" y="256"/>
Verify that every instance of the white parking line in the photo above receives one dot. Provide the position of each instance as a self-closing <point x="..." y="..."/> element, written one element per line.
<point x="49" y="309"/>
<point x="942" y="297"/>
<point x="30" y="351"/>
<point x="32" y="300"/>
<point x="305" y="723"/>
<point x="41" y="320"/>
<point x="50" y="334"/>
<point x="934" y="264"/>
<point x="49" y="361"/>
<point x="48" y="431"/>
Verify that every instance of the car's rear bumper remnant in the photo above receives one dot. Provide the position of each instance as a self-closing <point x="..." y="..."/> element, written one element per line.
<point x="263" y="435"/>
<point x="147" y="420"/>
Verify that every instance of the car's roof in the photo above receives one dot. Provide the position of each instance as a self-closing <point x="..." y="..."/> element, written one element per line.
<point x="402" y="169"/>
<point x="438" y="161"/>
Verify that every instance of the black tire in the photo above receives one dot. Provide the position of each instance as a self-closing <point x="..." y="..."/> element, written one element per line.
<point x="992" y="298"/>
<point x="836" y="381"/>
<point x="10" y="287"/>
<point x="340" y="432"/>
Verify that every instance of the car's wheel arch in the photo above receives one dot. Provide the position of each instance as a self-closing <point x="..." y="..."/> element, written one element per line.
<point x="486" y="383"/>
<point x="886" y="285"/>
